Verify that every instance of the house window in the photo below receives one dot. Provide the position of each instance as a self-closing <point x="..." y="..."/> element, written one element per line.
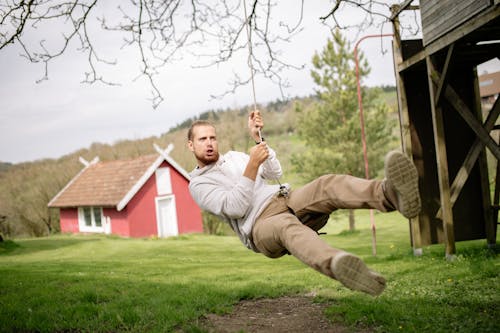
<point x="90" y="219"/>
<point x="163" y="182"/>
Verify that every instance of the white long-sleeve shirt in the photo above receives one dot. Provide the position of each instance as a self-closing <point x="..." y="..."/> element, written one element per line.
<point x="221" y="189"/>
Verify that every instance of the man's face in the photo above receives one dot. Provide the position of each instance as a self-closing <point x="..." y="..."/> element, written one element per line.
<point x="204" y="145"/>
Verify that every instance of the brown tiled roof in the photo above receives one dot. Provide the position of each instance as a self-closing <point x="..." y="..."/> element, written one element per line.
<point x="103" y="184"/>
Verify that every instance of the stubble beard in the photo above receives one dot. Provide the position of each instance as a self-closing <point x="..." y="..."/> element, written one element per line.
<point x="206" y="160"/>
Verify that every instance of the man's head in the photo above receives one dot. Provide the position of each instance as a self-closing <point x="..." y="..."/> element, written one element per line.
<point x="202" y="141"/>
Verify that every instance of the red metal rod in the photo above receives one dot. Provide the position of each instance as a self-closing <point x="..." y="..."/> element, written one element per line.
<point x="360" y="102"/>
<point x="363" y="136"/>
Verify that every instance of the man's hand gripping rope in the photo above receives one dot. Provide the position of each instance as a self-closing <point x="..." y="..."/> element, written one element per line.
<point x="255" y="125"/>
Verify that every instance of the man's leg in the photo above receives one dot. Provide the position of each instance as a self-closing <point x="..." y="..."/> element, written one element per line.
<point x="277" y="231"/>
<point x="330" y="192"/>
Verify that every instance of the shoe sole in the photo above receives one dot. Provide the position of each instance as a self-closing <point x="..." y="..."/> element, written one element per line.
<point x="402" y="175"/>
<point x="352" y="272"/>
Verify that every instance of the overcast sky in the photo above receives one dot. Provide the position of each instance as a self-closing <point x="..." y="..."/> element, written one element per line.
<point x="60" y="115"/>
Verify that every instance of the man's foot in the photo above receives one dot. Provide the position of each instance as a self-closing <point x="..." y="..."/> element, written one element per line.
<point x="401" y="184"/>
<point x="352" y="272"/>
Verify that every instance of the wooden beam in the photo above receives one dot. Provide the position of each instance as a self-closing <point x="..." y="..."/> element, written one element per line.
<point x="473" y="154"/>
<point x="471" y="158"/>
<point x="459" y="105"/>
<point x="399" y="8"/>
<point x="463" y="30"/>
<point x="496" y="199"/>
<point x="489" y="224"/>
<point x="404" y="126"/>
<point x="444" y="75"/>
<point x="450" y="38"/>
<point x="442" y="165"/>
<point x="416" y="58"/>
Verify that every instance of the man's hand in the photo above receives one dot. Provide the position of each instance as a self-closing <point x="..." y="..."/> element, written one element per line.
<point x="255" y="124"/>
<point x="258" y="154"/>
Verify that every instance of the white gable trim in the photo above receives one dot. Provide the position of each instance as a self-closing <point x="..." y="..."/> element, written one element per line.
<point x="149" y="172"/>
<point x="87" y="163"/>
<point x="165" y="154"/>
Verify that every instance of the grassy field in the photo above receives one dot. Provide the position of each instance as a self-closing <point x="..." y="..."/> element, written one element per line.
<point x="108" y="284"/>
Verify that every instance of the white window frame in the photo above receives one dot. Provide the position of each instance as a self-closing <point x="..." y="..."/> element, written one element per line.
<point x="163" y="181"/>
<point x="92" y="227"/>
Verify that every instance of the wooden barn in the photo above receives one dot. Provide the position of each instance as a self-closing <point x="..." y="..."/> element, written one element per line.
<point x="442" y="125"/>
<point x="142" y="197"/>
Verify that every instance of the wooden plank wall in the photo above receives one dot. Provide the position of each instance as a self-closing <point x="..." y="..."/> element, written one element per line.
<point x="441" y="16"/>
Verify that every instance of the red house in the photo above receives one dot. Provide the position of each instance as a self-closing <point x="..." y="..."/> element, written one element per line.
<point x="141" y="197"/>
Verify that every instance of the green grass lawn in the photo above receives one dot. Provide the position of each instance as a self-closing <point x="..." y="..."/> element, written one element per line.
<point x="108" y="284"/>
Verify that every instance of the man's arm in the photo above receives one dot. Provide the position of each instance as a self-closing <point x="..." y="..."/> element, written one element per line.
<point x="227" y="200"/>
<point x="271" y="167"/>
<point x="258" y="155"/>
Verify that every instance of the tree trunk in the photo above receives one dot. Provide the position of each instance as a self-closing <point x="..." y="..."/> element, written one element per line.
<point x="352" y="223"/>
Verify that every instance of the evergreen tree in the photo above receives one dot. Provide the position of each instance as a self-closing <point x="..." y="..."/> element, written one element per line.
<point x="331" y="127"/>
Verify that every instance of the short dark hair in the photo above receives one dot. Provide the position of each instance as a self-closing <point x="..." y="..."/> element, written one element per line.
<point x="195" y="124"/>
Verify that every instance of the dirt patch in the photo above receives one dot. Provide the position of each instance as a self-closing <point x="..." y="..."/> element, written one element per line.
<point x="286" y="314"/>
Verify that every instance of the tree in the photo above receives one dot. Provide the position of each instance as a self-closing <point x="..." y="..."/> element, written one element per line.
<point x="25" y="191"/>
<point x="331" y="127"/>
<point x="160" y="32"/>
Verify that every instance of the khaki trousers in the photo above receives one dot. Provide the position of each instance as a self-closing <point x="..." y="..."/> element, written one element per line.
<point x="289" y="225"/>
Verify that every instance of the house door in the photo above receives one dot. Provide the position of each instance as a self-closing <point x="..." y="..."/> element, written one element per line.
<point x="166" y="216"/>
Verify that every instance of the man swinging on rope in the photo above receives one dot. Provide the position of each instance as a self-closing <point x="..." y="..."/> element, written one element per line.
<point x="275" y="220"/>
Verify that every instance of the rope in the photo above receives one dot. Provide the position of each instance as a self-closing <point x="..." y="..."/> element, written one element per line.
<point x="283" y="190"/>
<point x="250" y="53"/>
<point x="249" y="61"/>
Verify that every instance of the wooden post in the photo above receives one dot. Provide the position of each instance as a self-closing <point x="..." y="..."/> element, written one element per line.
<point x="442" y="164"/>
<point x="404" y="121"/>
<point x="489" y="222"/>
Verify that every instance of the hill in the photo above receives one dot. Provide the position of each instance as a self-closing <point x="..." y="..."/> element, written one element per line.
<point x="26" y="188"/>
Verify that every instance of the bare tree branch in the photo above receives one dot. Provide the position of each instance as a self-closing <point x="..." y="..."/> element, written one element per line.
<point x="21" y="20"/>
<point x="163" y="32"/>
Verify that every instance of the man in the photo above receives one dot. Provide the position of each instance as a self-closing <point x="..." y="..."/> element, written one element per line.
<point x="275" y="220"/>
